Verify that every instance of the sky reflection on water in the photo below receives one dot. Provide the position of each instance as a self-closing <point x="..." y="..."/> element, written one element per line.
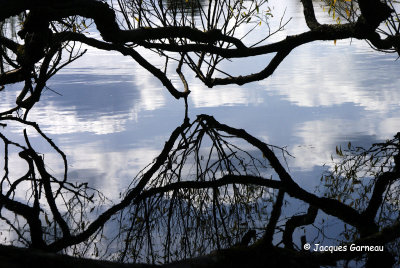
<point x="112" y="117"/>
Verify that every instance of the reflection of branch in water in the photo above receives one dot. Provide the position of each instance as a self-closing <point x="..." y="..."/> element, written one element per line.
<point x="72" y="198"/>
<point x="210" y="185"/>
<point x="206" y="195"/>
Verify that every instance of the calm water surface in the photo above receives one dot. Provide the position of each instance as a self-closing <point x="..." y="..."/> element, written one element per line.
<point x="112" y="117"/>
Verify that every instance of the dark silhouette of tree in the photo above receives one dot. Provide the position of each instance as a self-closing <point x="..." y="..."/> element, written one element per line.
<point x="206" y="196"/>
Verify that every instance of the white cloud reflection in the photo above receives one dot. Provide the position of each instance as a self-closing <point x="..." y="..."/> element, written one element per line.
<point x="322" y="74"/>
<point x="109" y="172"/>
<point x="215" y="97"/>
<point x="55" y="121"/>
<point x="318" y="139"/>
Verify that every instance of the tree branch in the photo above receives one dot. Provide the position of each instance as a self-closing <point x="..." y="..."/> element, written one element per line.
<point x="275" y="214"/>
<point x="127" y="52"/>
<point x="297" y="221"/>
<point x="225" y="180"/>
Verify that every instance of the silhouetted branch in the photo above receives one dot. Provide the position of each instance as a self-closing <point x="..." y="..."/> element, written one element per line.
<point x="380" y="186"/>
<point x="297" y="221"/>
<point x="225" y="180"/>
<point x="275" y="214"/>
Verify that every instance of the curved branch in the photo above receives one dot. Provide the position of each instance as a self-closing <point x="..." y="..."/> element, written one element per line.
<point x="105" y="20"/>
<point x="275" y="214"/>
<point x="8" y="43"/>
<point x="241" y="80"/>
<point x="297" y="221"/>
<point x="379" y="188"/>
<point x="309" y="14"/>
<point x="225" y="180"/>
<point x="192" y="34"/>
<point x="29" y="213"/>
<point x="48" y="191"/>
<point x="70" y="36"/>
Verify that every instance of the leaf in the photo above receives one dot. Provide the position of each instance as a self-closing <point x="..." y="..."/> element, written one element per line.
<point x="334" y="42"/>
<point x="339" y="151"/>
<point x="74" y="28"/>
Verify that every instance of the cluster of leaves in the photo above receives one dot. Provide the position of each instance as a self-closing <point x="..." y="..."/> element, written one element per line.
<point x="357" y="170"/>
<point x="349" y="11"/>
<point x="354" y="176"/>
<point x="339" y="10"/>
